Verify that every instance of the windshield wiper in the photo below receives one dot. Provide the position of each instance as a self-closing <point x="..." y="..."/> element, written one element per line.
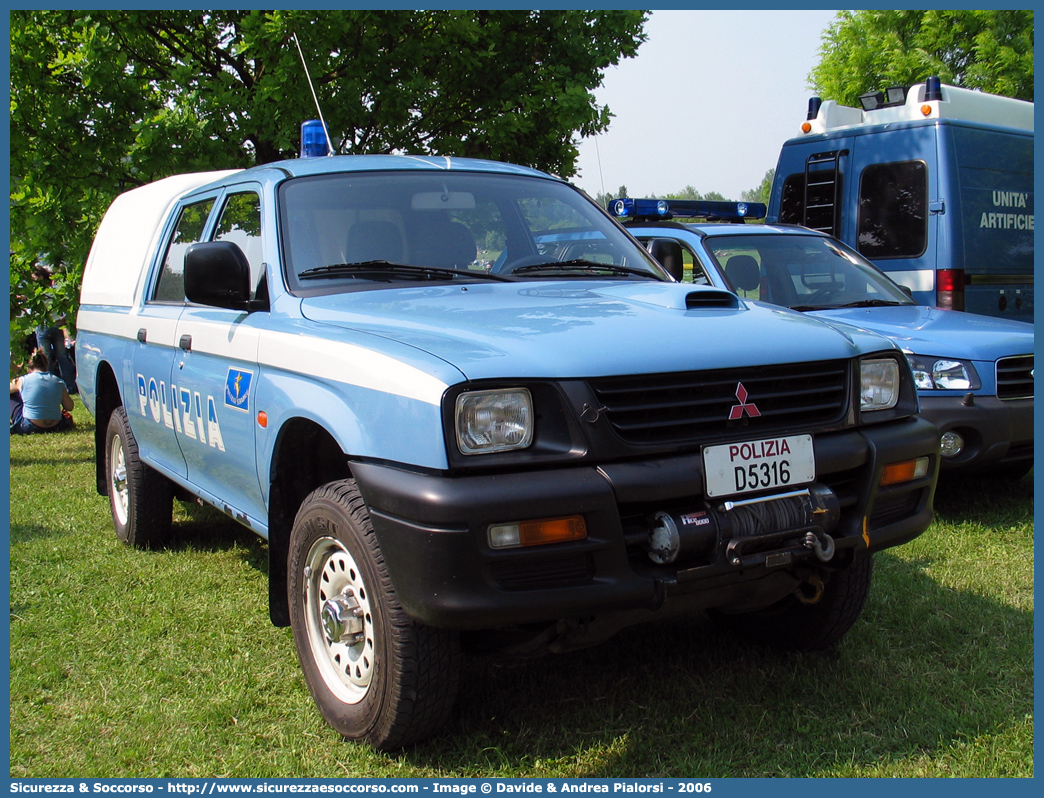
<point x="874" y="303"/>
<point x="862" y="303"/>
<point x="386" y="271"/>
<point x="585" y="267"/>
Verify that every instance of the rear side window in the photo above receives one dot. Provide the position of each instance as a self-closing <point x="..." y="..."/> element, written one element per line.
<point x="188" y="231"/>
<point x="893" y="210"/>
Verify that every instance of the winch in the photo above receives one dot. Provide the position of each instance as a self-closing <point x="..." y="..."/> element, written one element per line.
<point x="761" y="530"/>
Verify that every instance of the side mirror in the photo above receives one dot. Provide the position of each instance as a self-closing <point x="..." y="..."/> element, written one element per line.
<point x="668" y="253"/>
<point x="217" y="273"/>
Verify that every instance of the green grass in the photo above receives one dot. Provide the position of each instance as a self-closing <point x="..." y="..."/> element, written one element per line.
<point x="151" y="664"/>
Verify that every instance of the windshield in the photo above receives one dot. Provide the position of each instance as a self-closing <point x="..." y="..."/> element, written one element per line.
<point x="802" y="272"/>
<point x="355" y="230"/>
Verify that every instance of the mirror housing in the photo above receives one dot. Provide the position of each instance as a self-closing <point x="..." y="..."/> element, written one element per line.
<point x="668" y="253"/>
<point x="217" y="273"/>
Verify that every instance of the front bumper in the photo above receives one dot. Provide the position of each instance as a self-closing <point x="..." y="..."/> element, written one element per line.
<point x="995" y="432"/>
<point x="432" y="531"/>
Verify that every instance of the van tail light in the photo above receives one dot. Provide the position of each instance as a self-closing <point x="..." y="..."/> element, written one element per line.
<point x="949" y="289"/>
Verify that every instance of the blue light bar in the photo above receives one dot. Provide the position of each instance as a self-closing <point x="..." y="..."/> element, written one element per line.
<point x="314" y="142"/>
<point x="653" y="209"/>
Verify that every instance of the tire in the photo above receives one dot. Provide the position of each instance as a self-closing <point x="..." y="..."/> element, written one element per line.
<point x="141" y="499"/>
<point x="375" y="674"/>
<point x="796" y="625"/>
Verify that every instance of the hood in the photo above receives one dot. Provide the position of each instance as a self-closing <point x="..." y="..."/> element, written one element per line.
<point x="935" y="332"/>
<point x="569" y="329"/>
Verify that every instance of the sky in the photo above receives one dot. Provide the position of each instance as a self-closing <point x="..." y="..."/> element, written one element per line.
<point x="707" y="102"/>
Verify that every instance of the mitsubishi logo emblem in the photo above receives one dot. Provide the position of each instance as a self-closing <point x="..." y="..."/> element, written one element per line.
<point x="744" y="406"/>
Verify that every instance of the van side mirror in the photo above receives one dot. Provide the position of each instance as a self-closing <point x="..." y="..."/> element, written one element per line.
<point x="217" y="273"/>
<point x="668" y="253"/>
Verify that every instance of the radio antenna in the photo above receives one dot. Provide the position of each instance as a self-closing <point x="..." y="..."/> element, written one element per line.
<point x="326" y="132"/>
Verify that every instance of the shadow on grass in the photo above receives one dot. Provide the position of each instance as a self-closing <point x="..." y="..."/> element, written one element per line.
<point x="969" y="498"/>
<point x="925" y="670"/>
<point x="72" y="458"/>
<point x="200" y="527"/>
<point x="195" y="527"/>
<point x="24" y="533"/>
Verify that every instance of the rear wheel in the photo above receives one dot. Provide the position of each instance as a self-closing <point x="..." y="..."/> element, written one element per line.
<point x="375" y="673"/>
<point x="814" y="617"/>
<point x="141" y="499"/>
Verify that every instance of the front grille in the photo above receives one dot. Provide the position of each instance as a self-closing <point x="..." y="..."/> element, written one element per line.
<point x="696" y="405"/>
<point x="1015" y="377"/>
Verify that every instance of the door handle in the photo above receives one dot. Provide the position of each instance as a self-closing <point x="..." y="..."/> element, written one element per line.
<point x="185" y="342"/>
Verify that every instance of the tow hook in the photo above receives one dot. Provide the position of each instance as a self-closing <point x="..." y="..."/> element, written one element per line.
<point x="821" y="543"/>
<point x="810" y="591"/>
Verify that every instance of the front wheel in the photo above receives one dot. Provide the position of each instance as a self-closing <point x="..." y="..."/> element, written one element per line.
<point x="375" y="673"/>
<point x="141" y="498"/>
<point x="816" y="616"/>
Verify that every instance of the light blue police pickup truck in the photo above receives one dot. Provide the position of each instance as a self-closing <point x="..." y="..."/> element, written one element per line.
<point x="467" y="410"/>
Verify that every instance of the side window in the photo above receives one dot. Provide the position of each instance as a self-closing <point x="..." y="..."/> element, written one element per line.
<point x="792" y="203"/>
<point x="189" y="230"/>
<point x="693" y="269"/>
<point x="240" y="223"/>
<point x="893" y="210"/>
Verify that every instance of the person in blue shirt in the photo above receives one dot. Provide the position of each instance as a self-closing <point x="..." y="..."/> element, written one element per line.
<point x="40" y="401"/>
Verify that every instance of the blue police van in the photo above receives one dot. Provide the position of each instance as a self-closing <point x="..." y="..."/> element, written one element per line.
<point x="930" y="182"/>
<point x="468" y="411"/>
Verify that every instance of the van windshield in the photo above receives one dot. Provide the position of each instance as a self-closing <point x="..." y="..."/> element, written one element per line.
<point x="802" y="272"/>
<point x="346" y="231"/>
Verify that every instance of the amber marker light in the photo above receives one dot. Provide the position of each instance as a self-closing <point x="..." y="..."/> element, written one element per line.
<point x="262" y="418"/>
<point x="516" y="534"/>
<point x="805" y="127"/>
<point x="894" y="473"/>
<point x="926" y="110"/>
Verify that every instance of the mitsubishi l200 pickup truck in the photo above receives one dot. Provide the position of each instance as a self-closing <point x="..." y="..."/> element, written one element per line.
<point x="468" y="410"/>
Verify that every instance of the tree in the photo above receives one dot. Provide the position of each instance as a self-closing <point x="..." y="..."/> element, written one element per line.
<point x="762" y="192"/>
<point x="690" y="193"/>
<point x="603" y="199"/>
<point x="103" y="101"/>
<point x="868" y="50"/>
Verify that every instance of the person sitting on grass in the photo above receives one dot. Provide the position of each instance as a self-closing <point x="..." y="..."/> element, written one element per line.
<point x="39" y="400"/>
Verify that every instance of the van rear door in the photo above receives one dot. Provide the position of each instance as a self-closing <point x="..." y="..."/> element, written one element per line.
<point x="994" y="237"/>
<point x="899" y="214"/>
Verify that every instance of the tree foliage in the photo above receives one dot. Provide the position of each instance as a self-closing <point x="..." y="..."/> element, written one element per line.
<point x="103" y="101"/>
<point x="763" y="191"/>
<point x="690" y="193"/>
<point x="864" y="51"/>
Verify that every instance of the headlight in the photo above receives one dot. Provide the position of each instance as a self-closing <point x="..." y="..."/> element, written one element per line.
<point x="878" y="384"/>
<point x="942" y="374"/>
<point x="499" y="420"/>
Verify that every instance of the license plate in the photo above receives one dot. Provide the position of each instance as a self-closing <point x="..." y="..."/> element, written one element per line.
<point x="749" y="466"/>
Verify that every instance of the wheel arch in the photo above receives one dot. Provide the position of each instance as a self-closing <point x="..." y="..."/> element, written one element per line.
<point x="107" y="398"/>
<point x="305" y="456"/>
